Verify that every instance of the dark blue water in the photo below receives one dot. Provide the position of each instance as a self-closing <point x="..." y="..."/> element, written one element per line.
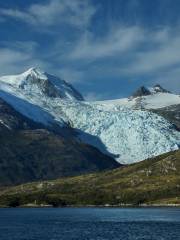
<point x="90" y="223"/>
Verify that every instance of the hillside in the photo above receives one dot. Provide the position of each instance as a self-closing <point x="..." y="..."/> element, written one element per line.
<point x="38" y="155"/>
<point x="30" y="151"/>
<point x="153" y="181"/>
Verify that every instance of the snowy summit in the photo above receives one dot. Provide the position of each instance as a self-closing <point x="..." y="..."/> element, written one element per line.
<point x="36" y="81"/>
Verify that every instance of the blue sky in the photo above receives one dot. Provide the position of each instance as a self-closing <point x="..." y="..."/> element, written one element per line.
<point x="105" y="48"/>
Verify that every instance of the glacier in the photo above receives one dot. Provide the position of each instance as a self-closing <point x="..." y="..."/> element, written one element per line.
<point x="118" y="127"/>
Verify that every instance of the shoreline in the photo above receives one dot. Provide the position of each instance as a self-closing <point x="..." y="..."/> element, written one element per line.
<point x="98" y="206"/>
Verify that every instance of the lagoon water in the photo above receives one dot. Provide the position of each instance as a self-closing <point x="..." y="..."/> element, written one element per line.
<point x="90" y="224"/>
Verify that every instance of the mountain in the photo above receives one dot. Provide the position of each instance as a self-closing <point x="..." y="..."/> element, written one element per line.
<point x="30" y="151"/>
<point x="153" y="181"/>
<point x="128" y="130"/>
<point x="35" y="81"/>
<point x="146" y="99"/>
<point x="142" y="91"/>
<point x="158" y="89"/>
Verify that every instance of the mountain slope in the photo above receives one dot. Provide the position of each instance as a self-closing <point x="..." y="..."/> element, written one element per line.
<point x="32" y="155"/>
<point x="153" y="181"/>
<point x="124" y="129"/>
<point x="30" y="151"/>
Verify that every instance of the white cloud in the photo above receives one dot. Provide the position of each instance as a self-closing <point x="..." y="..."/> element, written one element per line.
<point x="70" y="74"/>
<point x="165" y="55"/>
<point x="12" y="56"/>
<point x="77" y="13"/>
<point x="117" y="41"/>
<point x="144" y="52"/>
<point x="19" y="56"/>
<point x="17" y="14"/>
<point x="25" y="46"/>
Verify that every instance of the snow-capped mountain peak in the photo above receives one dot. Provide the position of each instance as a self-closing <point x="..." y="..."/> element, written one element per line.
<point x="35" y="72"/>
<point x="20" y="79"/>
<point x="158" y="89"/>
<point x="144" y="91"/>
<point x="35" y="81"/>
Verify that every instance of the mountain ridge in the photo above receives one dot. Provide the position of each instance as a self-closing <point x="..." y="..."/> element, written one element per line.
<point x="125" y="128"/>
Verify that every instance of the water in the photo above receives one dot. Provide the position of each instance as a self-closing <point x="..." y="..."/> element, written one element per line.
<point x="90" y="224"/>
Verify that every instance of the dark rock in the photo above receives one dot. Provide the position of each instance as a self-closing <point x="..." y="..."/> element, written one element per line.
<point x="142" y="91"/>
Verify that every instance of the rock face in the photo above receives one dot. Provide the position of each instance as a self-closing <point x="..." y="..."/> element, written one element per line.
<point x="44" y="86"/>
<point x="142" y="91"/>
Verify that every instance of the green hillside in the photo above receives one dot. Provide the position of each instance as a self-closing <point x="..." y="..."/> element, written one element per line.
<point x="155" y="180"/>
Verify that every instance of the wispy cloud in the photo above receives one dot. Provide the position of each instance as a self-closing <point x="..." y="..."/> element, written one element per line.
<point x="77" y="13"/>
<point x="18" y="56"/>
<point x="117" y="40"/>
<point x="71" y="75"/>
<point x="165" y="54"/>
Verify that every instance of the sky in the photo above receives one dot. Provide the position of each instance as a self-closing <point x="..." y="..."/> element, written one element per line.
<point x="105" y="48"/>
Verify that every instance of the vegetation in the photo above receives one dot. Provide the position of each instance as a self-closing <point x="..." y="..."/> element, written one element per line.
<point x="32" y="155"/>
<point x="153" y="181"/>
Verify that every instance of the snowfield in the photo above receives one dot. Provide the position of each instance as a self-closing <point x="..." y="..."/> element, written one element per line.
<point x="118" y="127"/>
<point x="154" y="101"/>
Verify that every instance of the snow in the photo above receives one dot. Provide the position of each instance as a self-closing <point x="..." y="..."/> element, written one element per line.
<point x="160" y="100"/>
<point x="129" y="135"/>
<point x="117" y="127"/>
<point x="27" y="108"/>
<point x="37" y="72"/>
<point x="154" y="101"/>
<point x="35" y="81"/>
<point x="2" y="122"/>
